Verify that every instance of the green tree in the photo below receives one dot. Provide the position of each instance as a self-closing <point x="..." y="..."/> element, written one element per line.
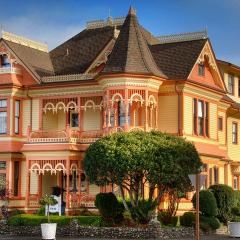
<point x="130" y="159"/>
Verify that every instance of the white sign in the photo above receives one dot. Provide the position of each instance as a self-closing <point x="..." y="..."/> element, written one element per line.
<point x="55" y="208"/>
<point x="202" y="179"/>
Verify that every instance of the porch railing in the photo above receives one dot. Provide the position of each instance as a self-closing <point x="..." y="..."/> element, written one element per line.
<point x="74" y="136"/>
<point x="62" y="136"/>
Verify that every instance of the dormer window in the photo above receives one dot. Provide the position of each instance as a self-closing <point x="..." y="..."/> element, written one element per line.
<point x="201" y="70"/>
<point x="5" y="62"/>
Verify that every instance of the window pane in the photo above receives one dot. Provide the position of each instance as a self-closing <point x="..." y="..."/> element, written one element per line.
<point x="74" y="120"/>
<point x="3" y="103"/>
<point x="16" y="178"/>
<point x="3" y="122"/>
<point x="234" y="133"/>
<point x="195" y="115"/>
<point x="2" y="165"/>
<point x="5" y="61"/>
<point x="235" y="183"/>
<point x="201" y="70"/>
<point x="230" y="84"/>
<point x="200" y="108"/>
<point x="16" y="125"/>
<point x="17" y="108"/>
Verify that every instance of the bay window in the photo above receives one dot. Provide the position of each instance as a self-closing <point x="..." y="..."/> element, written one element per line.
<point x="201" y="117"/>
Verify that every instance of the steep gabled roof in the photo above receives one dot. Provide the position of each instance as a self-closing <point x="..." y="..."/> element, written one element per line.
<point x="76" y="55"/>
<point x="177" y="59"/>
<point x="131" y="53"/>
<point x="36" y="61"/>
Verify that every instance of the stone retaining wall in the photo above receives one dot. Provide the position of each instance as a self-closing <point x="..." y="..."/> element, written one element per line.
<point x="75" y="230"/>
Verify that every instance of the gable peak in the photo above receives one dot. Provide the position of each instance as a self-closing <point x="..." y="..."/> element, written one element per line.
<point x="132" y="11"/>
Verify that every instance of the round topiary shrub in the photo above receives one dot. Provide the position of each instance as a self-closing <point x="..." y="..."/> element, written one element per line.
<point x="187" y="219"/>
<point x="209" y="223"/>
<point x="207" y="203"/>
<point x="224" y="196"/>
<point x="110" y="209"/>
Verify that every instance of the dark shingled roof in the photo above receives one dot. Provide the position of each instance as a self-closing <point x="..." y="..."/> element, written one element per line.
<point x="130" y="53"/>
<point x="176" y="60"/>
<point x="38" y="62"/>
<point x="76" y="55"/>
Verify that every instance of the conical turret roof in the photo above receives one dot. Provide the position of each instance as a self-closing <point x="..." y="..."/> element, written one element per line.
<point x="131" y="53"/>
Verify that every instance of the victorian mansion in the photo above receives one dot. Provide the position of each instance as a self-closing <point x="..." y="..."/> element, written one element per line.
<point x="113" y="76"/>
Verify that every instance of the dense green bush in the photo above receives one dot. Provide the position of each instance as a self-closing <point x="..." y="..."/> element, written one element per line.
<point x="209" y="223"/>
<point x="35" y="220"/>
<point x="207" y="203"/>
<point x="143" y="213"/>
<point x="110" y="209"/>
<point x="187" y="219"/>
<point x="224" y="196"/>
<point x="237" y="198"/>
<point x="165" y="218"/>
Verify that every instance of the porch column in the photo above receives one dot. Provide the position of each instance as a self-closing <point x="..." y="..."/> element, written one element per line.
<point x="27" y="186"/>
<point x="79" y="113"/>
<point x="146" y="110"/>
<point x="67" y="187"/>
<point x="79" y="186"/>
<point x="126" y="125"/>
<point x="41" y="114"/>
<point x="156" y="117"/>
<point x="151" y="116"/>
<point x="104" y="118"/>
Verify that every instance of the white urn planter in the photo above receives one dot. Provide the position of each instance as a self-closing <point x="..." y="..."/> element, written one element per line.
<point x="234" y="229"/>
<point x="49" y="230"/>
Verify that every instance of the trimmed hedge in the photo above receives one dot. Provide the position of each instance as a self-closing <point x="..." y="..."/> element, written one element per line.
<point x="224" y="196"/>
<point x="207" y="203"/>
<point x="34" y="220"/>
<point x="187" y="219"/>
<point x="209" y="223"/>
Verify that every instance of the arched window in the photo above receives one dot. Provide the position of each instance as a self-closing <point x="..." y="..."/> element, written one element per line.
<point x="5" y="62"/>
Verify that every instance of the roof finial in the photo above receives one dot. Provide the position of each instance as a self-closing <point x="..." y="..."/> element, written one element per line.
<point x="132" y="11"/>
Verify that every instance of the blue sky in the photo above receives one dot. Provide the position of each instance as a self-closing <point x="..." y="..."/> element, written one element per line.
<point x="54" y="21"/>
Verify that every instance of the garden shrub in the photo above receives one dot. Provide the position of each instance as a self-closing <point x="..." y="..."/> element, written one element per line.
<point x="110" y="209"/>
<point x="209" y="223"/>
<point x="235" y="211"/>
<point x="41" y="211"/>
<point x="165" y="218"/>
<point x="143" y="213"/>
<point x="187" y="219"/>
<point x="35" y="220"/>
<point x="237" y="198"/>
<point x="224" y="196"/>
<point x="207" y="203"/>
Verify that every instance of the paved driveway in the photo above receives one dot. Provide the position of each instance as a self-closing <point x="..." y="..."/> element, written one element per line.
<point x="212" y="237"/>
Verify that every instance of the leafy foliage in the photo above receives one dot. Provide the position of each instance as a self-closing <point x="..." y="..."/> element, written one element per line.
<point x="225" y="201"/>
<point x="48" y="201"/>
<point x="130" y="159"/>
<point x="143" y="212"/>
<point x="187" y="219"/>
<point x="109" y="207"/>
<point x="207" y="203"/>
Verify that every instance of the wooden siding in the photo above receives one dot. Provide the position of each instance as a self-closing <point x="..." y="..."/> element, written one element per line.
<point x="168" y="114"/>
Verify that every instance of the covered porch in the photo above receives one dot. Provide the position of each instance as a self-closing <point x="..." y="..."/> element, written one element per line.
<point x="60" y="177"/>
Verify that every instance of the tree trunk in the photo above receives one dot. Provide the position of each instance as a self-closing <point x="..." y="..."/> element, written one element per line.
<point x="123" y="198"/>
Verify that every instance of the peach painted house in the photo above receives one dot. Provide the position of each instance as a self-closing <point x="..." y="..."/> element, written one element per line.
<point x="113" y="76"/>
